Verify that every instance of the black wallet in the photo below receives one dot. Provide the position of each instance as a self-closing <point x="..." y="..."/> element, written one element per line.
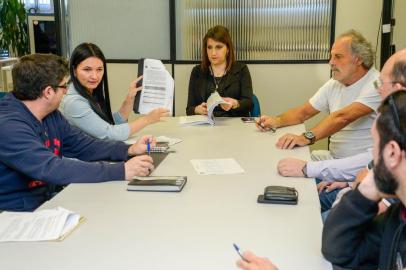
<point x="279" y="195"/>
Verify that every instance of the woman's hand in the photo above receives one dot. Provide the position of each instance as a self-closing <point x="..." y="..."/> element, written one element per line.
<point x="233" y="104"/>
<point x="133" y="89"/>
<point x="156" y="114"/>
<point x="201" y="109"/>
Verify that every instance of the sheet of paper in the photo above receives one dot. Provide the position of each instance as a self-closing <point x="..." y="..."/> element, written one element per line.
<point x="158" y="87"/>
<point x="216" y="166"/>
<point x="193" y="120"/>
<point x="170" y="141"/>
<point x="42" y="225"/>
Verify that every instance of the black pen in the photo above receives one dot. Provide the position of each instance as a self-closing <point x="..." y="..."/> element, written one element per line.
<point x="239" y="253"/>
<point x="270" y="128"/>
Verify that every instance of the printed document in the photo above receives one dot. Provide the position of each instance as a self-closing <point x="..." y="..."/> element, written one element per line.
<point x="42" y="225"/>
<point x="216" y="166"/>
<point x="214" y="100"/>
<point x="158" y="87"/>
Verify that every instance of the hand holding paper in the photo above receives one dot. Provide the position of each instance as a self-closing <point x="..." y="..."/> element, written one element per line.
<point x="158" y="86"/>
<point x="214" y="100"/>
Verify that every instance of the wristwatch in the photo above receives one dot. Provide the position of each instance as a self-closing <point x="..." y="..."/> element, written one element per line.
<point x="310" y="136"/>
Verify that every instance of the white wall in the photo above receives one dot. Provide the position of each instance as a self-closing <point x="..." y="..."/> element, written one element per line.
<point x="399" y="33"/>
<point x="361" y="15"/>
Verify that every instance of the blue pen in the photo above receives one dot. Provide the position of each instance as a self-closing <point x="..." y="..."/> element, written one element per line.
<point x="239" y="252"/>
<point x="148" y="147"/>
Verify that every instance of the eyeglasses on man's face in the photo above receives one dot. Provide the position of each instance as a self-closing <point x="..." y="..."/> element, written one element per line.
<point x="378" y="84"/>
<point x="63" y="86"/>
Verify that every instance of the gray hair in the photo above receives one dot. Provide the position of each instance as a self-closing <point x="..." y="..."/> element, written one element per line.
<point x="360" y="47"/>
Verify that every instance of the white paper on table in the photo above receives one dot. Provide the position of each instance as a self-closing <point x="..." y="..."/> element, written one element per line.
<point x="216" y="166"/>
<point x="192" y="120"/>
<point x="42" y="225"/>
<point x="158" y="87"/>
<point x="162" y="138"/>
<point x="170" y="141"/>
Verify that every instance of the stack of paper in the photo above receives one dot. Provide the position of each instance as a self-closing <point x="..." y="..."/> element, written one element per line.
<point x="43" y="225"/>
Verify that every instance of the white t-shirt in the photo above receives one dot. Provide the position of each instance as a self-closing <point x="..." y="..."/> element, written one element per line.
<point x="333" y="96"/>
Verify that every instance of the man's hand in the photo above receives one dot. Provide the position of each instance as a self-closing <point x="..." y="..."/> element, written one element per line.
<point x="368" y="188"/>
<point x="291" y="167"/>
<point x="330" y="186"/>
<point x="336" y="185"/>
<point x="267" y="123"/>
<point x="255" y="262"/>
<point x="138" y="166"/>
<point x="140" y="147"/>
<point x="322" y="185"/>
<point x="201" y="109"/>
<point x="288" y="141"/>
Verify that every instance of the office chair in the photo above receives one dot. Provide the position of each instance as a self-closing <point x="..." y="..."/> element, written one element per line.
<point x="256" y="108"/>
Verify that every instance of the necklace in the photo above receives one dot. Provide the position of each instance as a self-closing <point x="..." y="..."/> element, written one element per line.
<point x="215" y="80"/>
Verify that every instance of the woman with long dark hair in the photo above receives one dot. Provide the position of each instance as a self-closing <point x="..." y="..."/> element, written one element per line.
<point x="220" y="72"/>
<point x="87" y="103"/>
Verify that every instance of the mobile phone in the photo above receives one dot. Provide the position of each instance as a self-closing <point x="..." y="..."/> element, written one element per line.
<point x="248" y="119"/>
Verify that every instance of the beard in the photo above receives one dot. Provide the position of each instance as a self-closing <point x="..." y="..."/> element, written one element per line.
<point x="384" y="179"/>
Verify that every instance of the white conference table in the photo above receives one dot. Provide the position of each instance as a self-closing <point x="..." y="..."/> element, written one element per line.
<point x="193" y="229"/>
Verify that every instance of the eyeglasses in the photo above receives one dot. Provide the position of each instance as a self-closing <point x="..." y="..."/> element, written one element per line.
<point x="64" y="86"/>
<point x="379" y="83"/>
<point x="396" y="119"/>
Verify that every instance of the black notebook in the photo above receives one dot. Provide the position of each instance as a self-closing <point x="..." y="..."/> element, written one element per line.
<point x="157" y="183"/>
<point x="158" y="157"/>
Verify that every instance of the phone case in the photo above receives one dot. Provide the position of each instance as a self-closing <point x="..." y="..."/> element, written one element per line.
<point x="279" y="195"/>
<point x="248" y="119"/>
<point x="261" y="199"/>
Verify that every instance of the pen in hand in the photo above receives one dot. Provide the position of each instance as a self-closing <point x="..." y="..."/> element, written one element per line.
<point x="239" y="252"/>
<point x="148" y="148"/>
<point x="259" y="123"/>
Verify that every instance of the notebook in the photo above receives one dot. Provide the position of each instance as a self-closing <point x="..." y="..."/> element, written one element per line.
<point x="157" y="183"/>
<point x="158" y="157"/>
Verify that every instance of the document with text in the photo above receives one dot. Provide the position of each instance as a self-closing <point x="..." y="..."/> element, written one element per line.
<point x="216" y="166"/>
<point x="158" y="87"/>
<point x="43" y="225"/>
